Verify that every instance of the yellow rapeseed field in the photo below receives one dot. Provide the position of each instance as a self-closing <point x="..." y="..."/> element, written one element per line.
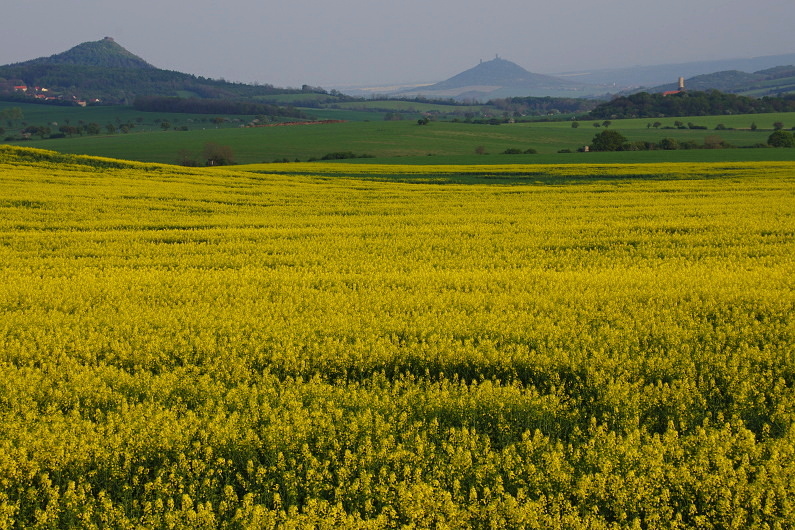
<point x="562" y="347"/>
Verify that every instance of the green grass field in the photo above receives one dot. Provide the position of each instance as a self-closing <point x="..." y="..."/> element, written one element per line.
<point x="451" y="142"/>
<point x="398" y="140"/>
<point x="359" y="111"/>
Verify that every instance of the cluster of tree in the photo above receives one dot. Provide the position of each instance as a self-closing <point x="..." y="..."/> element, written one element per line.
<point x="342" y="155"/>
<point x="612" y="140"/>
<point x="607" y="123"/>
<point x="781" y="138"/>
<point x="678" y="124"/>
<point x="712" y="103"/>
<point x="517" y="151"/>
<point x="46" y="131"/>
<point x="212" y="154"/>
<point x="543" y="105"/>
<point x="42" y="131"/>
<point x="212" y="106"/>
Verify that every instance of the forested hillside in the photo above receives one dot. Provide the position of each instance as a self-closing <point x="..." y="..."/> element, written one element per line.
<point x="105" y="71"/>
<point x="712" y="103"/>
<point x="106" y="53"/>
<point x="776" y="81"/>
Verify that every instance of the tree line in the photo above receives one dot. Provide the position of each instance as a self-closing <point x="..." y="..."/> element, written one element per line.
<point x="615" y="141"/>
<point x="212" y="106"/>
<point x="543" y="105"/>
<point x="711" y="103"/>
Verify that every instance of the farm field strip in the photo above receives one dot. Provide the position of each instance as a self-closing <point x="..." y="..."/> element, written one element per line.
<point x="528" y="173"/>
<point x="598" y="347"/>
<point x="404" y="141"/>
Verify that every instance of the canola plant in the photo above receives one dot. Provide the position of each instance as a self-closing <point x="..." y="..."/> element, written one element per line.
<point x="228" y="348"/>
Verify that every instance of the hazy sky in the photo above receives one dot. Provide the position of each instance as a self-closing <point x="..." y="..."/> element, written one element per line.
<point x="373" y="42"/>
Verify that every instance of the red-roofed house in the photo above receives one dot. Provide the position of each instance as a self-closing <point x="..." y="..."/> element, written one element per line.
<point x="681" y="88"/>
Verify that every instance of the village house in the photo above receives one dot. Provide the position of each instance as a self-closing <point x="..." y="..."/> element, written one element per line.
<point x="35" y="91"/>
<point x="680" y="90"/>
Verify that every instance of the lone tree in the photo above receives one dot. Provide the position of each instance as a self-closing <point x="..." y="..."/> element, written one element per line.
<point x="11" y="115"/>
<point x="781" y="139"/>
<point x="217" y="155"/>
<point x="608" y="141"/>
<point x="185" y="158"/>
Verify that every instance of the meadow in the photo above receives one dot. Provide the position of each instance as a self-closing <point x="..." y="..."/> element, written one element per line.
<point x="144" y="122"/>
<point x="440" y="347"/>
<point x="406" y="142"/>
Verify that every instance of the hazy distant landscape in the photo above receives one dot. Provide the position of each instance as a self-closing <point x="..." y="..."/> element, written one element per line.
<point x="105" y="70"/>
<point x="98" y="98"/>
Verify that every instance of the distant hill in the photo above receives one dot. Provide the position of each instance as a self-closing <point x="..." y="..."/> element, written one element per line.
<point x="105" y="71"/>
<point x="499" y="78"/>
<point x="770" y="82"/>
<point x="660" y="74"/>
<point x="105" y="53"/>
